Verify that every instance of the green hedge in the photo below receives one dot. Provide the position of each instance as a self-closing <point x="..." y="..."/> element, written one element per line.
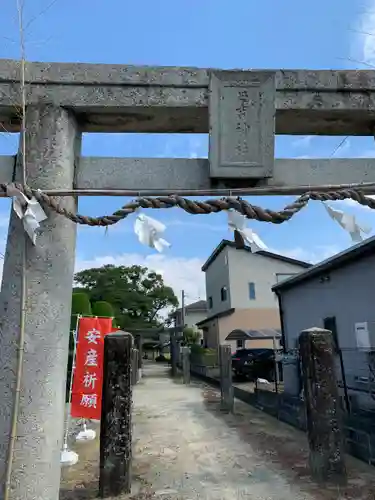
<point x="80" y="305"/>
<point x="203" y="356"/>
<point x="103" y="309"/>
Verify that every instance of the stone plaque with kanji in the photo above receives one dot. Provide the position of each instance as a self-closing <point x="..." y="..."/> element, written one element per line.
<point x="242" y="124"/>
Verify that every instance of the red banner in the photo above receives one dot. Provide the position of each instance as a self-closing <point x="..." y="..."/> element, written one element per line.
<point x="88" y="373"/>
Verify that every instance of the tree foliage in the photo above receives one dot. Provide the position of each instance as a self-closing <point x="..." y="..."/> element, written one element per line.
<point x="190" y="336"/>
<point x="136" y="294"/>
<point x="103" y="309"/>
<point x="80" y="305"/>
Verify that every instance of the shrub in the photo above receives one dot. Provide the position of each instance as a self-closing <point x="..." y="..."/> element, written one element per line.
<point x="198" y="349"/>
<point x="80" y="305"/>
<point x="203" y="356"/>
<point x="103" y="309"/>
<point x="190" y="336"/>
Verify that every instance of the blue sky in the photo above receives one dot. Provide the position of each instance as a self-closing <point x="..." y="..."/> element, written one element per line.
<point x="236" y="34"/>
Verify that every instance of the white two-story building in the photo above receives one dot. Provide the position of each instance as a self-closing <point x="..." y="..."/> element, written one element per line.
<point x="193" y="314"/>
<point x="239" y="293"/>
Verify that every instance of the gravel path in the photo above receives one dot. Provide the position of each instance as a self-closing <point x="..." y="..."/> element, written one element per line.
<point x="185" y="448"/>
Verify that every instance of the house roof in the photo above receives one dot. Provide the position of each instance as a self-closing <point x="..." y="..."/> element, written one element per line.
<point x="199" y="306"/>
<point x="339" y="260"/>
<point x="221" y="314"/>
<point x="262" y="334"/>
<point x="265" y="253"/>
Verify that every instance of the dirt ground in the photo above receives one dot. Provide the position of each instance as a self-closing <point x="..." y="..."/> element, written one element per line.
<point x="186" y="448"/>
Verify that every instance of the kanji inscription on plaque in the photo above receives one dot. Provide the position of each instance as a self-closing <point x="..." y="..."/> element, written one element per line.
<point x="242" y="124"/>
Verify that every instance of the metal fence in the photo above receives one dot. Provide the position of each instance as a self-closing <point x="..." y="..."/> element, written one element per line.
<point x="355" y="369"/>
<point x="355" y="373"/>
<point x="282" y="397"/>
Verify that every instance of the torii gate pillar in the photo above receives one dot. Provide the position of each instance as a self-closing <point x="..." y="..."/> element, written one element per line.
<point x="51" y="145"/>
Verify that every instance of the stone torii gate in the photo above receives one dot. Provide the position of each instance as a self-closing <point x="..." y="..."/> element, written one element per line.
<point x="242" y="110"/>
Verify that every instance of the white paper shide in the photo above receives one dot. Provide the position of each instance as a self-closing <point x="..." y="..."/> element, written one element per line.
<point x="238" y="222"/>
<point x="29" y="211"/>
<point x="149" y="232"/>
<point x="348" y="222"/>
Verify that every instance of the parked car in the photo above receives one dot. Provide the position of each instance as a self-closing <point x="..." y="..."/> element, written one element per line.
<point x="254" y="363"/>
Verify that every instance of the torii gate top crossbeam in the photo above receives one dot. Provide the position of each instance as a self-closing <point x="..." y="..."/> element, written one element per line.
<point x="119" y="98"/>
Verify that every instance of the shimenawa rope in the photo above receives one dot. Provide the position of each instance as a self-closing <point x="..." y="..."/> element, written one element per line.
<point x="208" y="206"/>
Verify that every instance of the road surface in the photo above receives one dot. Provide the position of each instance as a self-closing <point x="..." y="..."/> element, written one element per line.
<point x="186" y="448"/>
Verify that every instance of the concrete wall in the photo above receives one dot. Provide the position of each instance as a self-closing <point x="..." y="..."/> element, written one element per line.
<point x="191" y="318"/>
<point x="244" y="268"/>
<point x="217" y="277"/>
<point x="347" y="295"/>
<point x="194" y="317"/>
<point x="247" y="319"/>
<point x="211" y="334"/>
<point x="235" y="269"/>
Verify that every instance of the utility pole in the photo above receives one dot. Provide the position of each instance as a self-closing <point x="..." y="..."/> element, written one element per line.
<point x="183" y="308"/>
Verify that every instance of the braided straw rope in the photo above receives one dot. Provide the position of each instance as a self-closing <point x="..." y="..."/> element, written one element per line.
<point x="197" y="207"/>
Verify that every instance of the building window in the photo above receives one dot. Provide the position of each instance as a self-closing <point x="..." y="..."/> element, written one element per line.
<point x="226" y="260"/>
<point x="209" y="302"/>
<point x="224" y="294"/>
<point x="252" y="291"/>
<point x="240" y="344"/>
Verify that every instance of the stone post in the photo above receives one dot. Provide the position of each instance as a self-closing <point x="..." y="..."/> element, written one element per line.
<point x="174" y="354"/>
<point x="135" y="354"/>
<point x="140" y="356"/>
<point x="186" y="364"/>
<point x="138" y="345"/>
<point x="220" y="373"/>
<point x="225" y="359"/>
<point x="52" y="143"/>
<point x="325" y="435"/>
<point x="116" y="424"/>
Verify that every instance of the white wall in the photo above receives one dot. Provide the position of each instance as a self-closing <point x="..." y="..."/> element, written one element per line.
<point x="194" y="317"/>
<point x="245" y="267"/>
<point x="217" y="276"/>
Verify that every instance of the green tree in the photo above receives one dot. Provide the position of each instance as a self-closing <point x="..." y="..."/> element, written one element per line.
<point x="104" y="310"/>
<point x="136" y="294"/>
<point x="190" y="336"/>
<point x="80" y="305"/>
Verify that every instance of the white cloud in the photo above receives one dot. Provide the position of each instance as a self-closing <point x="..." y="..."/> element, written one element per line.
<point x="364" y="43"/>
<point x="313" y="255"/>
<point x="369" y="153"/>
<point x="303" y="142"/>
<point x="178" y="272"/>
<point x="353" y="204"/>
<point x="185" y="273"/>
<point x="198" y="146"/>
